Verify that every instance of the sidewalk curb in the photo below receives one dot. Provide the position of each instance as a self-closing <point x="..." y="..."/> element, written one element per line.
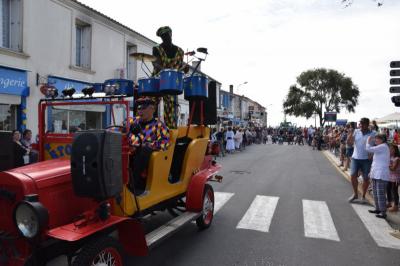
<point x="393" y="219"/>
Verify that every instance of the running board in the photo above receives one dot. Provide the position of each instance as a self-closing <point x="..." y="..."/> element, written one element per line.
<point x="170" y="227"/>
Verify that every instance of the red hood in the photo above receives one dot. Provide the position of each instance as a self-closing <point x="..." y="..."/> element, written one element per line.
<point x="43" y="173"/>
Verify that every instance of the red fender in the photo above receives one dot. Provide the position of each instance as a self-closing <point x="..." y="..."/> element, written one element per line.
<point x="130" y="233"/>
<point x="194" y="193"/>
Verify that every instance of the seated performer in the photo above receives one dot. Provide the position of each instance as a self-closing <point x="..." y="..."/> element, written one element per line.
<point x="146" y="134"/>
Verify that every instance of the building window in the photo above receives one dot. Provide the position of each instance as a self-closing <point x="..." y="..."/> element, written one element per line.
<point x="131" y="63"/>
<point x="83" y="43"/>
<point x="11" y="24"/>
<point x="8" y="117"/>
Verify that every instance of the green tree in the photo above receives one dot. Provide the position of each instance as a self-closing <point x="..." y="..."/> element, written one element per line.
<point x="318" y="91"/>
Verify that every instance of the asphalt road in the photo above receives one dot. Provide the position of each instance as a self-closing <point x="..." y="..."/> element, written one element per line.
<point x="284" y="205"/>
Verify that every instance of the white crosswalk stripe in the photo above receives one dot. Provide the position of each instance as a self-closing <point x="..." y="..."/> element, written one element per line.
<point x="220" y="199"/>
<point x="378" y="228"/>
<point x="259" y="215"/>
<point x="318" y="221"/>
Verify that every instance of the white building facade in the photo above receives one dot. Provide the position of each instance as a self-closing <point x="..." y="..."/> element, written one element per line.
<point x="61" y="42"/>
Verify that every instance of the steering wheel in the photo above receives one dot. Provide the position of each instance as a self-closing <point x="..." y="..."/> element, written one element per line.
<point x="122" y="129"/>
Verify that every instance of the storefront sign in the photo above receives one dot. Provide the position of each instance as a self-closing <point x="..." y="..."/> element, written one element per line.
<point x="63" y="83"/>
<point x="13" y="81"/>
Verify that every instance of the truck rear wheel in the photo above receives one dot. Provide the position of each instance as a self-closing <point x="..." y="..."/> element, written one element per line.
<point x="104" y="251"/>
<point x="207" y="214"/>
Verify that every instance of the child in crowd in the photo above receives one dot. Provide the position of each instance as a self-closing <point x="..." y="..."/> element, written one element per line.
<point x="393" y="184"/>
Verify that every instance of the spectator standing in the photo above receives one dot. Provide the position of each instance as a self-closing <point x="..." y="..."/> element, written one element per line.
<point x="21" y="153"/>
<point x="379" y="172"/>
<point x="375" y="126"/>
<point x="27" y="142"/>
<point x="238" y="138"/>
<point x="230" y="143"/>
<point x="395" y="137"/>
<point x="343" y="138"/>
<point x="220" y="139"/>
<point x="349" y="147"/>
<point x="360" y="159"/>
<point x="393" y="184"/>
<point x="310" y="134"/>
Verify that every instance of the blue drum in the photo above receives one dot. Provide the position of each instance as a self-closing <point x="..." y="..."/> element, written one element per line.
<point x="196" y="87"/>
<point x="149" y="87"/>
<point x="171" y="82"/>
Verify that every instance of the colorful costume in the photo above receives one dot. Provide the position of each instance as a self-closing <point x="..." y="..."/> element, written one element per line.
<point x="147" y="137"/>
<point x="170" y="102"/>
<point x="153" y="132"/>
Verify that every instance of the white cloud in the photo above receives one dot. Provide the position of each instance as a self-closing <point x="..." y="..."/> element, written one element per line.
<point x="270" y="42"/>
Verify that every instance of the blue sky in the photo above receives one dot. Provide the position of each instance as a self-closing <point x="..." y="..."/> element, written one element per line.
<point x="268" y="43"/>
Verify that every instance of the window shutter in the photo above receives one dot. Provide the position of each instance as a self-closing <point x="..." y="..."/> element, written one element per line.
<point x="5" y="23"/>
<point x="86" y="46"/>
<point x="78" y="45"/>
<point x="15" y="25"/>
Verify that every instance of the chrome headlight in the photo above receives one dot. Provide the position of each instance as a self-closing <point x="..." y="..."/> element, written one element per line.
<point x="30" y="218"/>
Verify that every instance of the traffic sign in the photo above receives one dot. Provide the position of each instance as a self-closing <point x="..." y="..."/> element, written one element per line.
<point x="395" y="73"/>
<point x="395" y="81"/>
<point x="395" y="64"/>
<point x="396" y="100"/>
<point x="394" y="90"/>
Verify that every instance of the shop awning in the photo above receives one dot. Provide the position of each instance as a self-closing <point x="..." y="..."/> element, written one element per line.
<point x="13" y="82"/>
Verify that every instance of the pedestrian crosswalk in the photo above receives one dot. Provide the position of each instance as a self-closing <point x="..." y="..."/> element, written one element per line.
<point x="318" y="221"/>
<point x="256" y="218"/>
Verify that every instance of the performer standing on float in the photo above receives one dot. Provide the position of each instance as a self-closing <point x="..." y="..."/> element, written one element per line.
<point x="169" y="56"/>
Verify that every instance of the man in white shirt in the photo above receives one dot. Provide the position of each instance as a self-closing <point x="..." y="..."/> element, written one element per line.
<point x="360" y="159"/>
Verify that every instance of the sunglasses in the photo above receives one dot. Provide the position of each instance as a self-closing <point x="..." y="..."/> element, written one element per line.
<point x="143" y="106"/>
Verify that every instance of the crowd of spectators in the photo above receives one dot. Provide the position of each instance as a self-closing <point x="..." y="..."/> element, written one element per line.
<point x="364" y="149"/>
<point x="233" y="139"/>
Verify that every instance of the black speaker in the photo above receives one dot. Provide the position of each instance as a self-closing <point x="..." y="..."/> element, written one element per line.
<point x="6" y="151"/>
<point x="210" y="106"/>
<point x="96" y="164"/>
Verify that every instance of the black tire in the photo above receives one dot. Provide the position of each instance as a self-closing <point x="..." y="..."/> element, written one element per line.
<point x="92" y="252"/>
<point x="207" y="213"/>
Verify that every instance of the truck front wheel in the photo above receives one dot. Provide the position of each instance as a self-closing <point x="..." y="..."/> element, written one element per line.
<point x="207" y="214"/>
<point x="103" y="251"/>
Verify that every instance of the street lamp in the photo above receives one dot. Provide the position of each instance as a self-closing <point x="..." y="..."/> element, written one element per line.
<point x="238" y="86"/>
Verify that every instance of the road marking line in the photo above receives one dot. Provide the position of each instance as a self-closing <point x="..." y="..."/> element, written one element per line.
<point x="379" y="229"/>
<point x="220" y="198"/>
<point x="259" y="215"/>
<point x="318" y="221"/>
